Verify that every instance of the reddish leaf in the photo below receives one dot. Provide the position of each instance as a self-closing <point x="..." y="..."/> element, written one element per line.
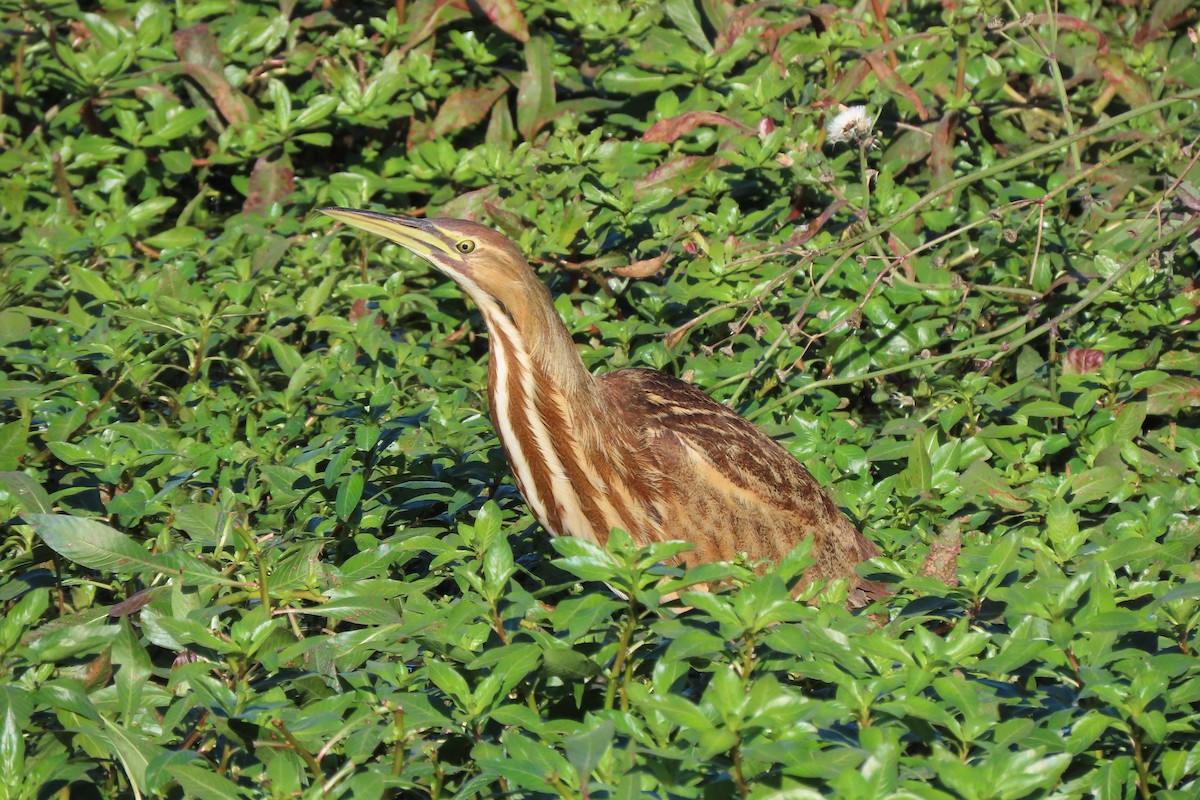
<point x="681" y="174"/>
<point x="270" y="183"/>
<point x="535" y="94"/>
<point x="1080" y="361"/>
<point x="135" y="602"/>
<point x="1074" y="24"/>
<point x="1173" y="394"/>
<point x="417" y="129"/>
<point x="1133" y="89"/>
<point x="427" y="16"/>
<point x="813" y="228"/>
<point x="850" y="82"/>
<point x="507" y="17"/>
<point x="361" y="308"/>
<point x="1165" y="15"/>
<point x="508" y="222"/>
<point x="197" y="46"/>
<point x="200" y="59"/>
<point x="941" y="157"/>
<point x="465" y="107"/>
<point x="894" y="83"/>
<point x="668" y="130"/>
<point x="469" y="205"/>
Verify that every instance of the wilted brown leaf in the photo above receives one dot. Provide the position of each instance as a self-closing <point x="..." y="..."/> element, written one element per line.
<point x="645" y="267"/>
<point x="941" y="562"/>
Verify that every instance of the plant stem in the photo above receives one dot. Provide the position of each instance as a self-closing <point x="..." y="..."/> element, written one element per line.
<point x="617" y="674"/>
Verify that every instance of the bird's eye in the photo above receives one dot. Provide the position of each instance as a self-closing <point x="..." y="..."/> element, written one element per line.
<point x="465" y="246"/>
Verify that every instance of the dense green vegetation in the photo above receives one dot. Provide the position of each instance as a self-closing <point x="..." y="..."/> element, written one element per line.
<point x="260" y="539"/>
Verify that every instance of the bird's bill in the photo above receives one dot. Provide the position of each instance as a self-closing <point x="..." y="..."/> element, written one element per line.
<point x="418" y="235"/>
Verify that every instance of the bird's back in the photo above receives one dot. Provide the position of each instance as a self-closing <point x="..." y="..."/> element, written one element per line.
<point x="722" y="483"/>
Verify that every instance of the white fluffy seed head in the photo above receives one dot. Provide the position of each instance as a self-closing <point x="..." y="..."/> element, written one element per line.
<point x="852" y="124"/>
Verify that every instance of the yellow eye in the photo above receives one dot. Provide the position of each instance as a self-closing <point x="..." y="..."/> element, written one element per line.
<point x="465" y="246"/>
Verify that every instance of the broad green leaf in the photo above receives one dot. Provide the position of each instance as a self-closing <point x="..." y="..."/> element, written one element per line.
<point x="686" y="17"/>
<point x="92" y="544"/>
<point x="360" y="609"/>
<point x="568" y="665"/>
<point x="16" y="708"/>
<point x="584" y="750"/>
<point x="1043" y="408"/>
<point x="536" y="92"/>
<point x="26" y="491"/>
<point x="1100" y="483"/>
<point x="349" y="494"/>
<point x="1062" y="526"/>
<point x="13" y="439"/>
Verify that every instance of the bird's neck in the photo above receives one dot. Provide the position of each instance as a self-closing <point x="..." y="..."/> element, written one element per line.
<point x="526" y="335"/>
<point x="543" y="403"/>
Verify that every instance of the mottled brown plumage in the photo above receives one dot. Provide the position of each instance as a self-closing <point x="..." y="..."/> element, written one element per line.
<point x="633" y="449"/>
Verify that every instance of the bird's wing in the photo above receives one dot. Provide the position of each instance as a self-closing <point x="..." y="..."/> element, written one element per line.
<point x="735" y="489"/>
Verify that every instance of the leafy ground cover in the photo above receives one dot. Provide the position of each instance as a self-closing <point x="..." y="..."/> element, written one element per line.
<point x="260" y="540"/>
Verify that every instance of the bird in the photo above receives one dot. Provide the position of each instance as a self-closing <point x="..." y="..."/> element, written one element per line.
<point x="635" y="449"/>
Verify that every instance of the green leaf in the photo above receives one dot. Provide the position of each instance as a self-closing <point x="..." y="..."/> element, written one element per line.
<point x="21" y="617"/>
<point x="13" y="439"/>
<point x="687" y="18"/>
<point x="446" y="678"/>
<point x="141" y="214"/>
<point x="568" y="664"/>
<point x="360" y="609"/>
<point x="92" y="544"/>
<point x="1130" y="420"/>
<point x="27" y="492"/>
<point x="16" y="708"/>
<point x="1062" y="527"/>
<point x="584" y="750"/>
<point x="349" y="495"/>
<point x="132" y="750"/>
<point x="633" y="80"/>
<point x="535" y="94"/>
<point x="14" y="326"/>
<point x="1043" y="408"/>
<point x="1100" y="483"/>
<point x="197" y="780"/>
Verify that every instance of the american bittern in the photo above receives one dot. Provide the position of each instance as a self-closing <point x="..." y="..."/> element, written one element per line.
<point x="634" y="448"/>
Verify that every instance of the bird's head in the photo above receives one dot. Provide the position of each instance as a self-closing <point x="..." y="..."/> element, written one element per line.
<point x="488" y="266"/>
